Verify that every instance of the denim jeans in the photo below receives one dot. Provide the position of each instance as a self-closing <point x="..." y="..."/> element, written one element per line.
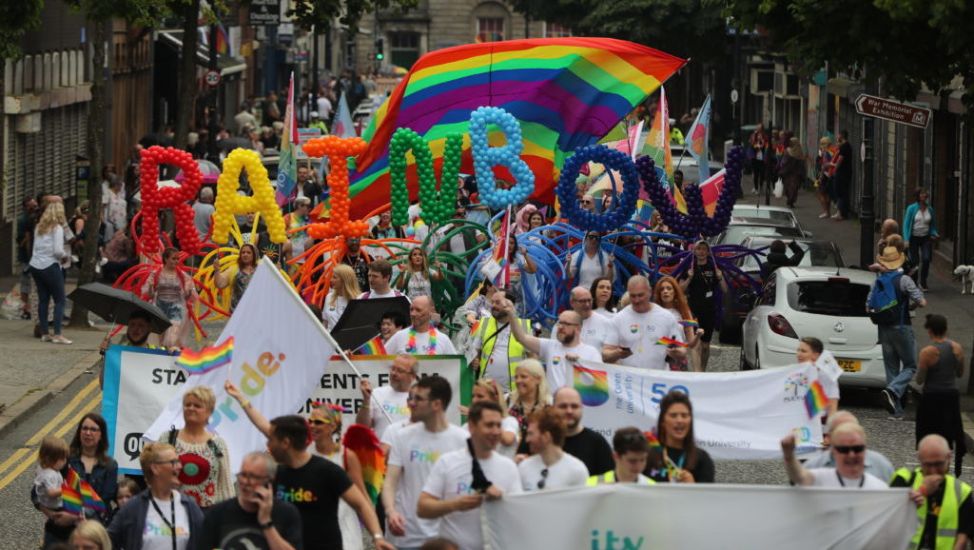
<point x="899" y="346"/>
<point x="921" y="251"/>
<point x="50" y="284"/>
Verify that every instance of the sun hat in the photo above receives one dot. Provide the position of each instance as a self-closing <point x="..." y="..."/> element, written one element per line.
<point x="891" y="258"/>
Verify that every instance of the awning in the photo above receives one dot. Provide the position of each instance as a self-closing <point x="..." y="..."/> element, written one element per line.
<point x="227" y="65"/>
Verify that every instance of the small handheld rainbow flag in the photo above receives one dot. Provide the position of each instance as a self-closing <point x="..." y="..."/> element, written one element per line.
<point x="815" y="399"/>
<point x="362" y="441"/>
<point x="374" y="346"/>
<point x="652" y="439"/>
<point x="667" y="341"/>
<point x="206" y="359"/>
<point x="691" y="323"/>
<point x="77" y="494"/>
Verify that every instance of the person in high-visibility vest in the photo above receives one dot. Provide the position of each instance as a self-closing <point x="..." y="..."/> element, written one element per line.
<point x="943" y="501"/>
<point x="630" y="450"/>
<point x="498" y="354"/>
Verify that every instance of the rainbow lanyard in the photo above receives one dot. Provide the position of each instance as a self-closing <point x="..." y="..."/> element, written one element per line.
<point x="411" y="343"/>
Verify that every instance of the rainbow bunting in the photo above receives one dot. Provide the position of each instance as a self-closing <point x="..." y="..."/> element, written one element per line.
<point x="815" y="399"/>
<point x="206" y="359"/>
<point x="374" y="346"/>
<point x="566" y="93"/>
<point x="77" y="494"/>
<point x="667" y="341"/>
<point x="362" y="441"/>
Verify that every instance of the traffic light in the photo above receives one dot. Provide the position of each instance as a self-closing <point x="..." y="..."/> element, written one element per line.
<point x="380" y="49"/>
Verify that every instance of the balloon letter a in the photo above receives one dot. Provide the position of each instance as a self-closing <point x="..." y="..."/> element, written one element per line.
<point x="229" y="203"/>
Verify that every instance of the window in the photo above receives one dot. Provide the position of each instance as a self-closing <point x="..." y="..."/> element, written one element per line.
<point x="838" y="298"/>
<point x="490" y="29"/>
<point x="403" y="48"/>
<point x="555" y="30"/>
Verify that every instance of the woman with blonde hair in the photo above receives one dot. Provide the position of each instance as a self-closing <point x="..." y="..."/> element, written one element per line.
<point x="160" y="516"/>
<point x="247" y="258"/>
<point x="669" y="294"/>
<point x="416" y="277"/>
<point x="90" y="535"/>
<point x="530" y="394"/>
<point x="205" y="474"/>
<point x="344" y="288"/>
<point x="45" y="267"/>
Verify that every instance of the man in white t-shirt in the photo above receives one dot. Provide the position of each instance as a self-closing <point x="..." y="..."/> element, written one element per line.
<point x="413" y="451"/>
<point x="462" y="479"/>
<point x="549" y="467"/>
<point x="635" y="342"/>
<point x="849" y="452"/>
<point x="392" y="398"/>
<point x="380" y="282"/>
<point x="324" y="107"/>
<point x="558" y="355"/>
<point x="421" y="337"/>
<point x="595" y="327"/>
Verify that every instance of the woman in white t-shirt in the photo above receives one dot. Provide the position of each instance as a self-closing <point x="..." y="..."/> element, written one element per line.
<point x="486" y="390"/>
<point x="417" y="277"/>
<point x="46" y="259"/>
<point x="591" y="262"/>
<point x="344" y="287"/>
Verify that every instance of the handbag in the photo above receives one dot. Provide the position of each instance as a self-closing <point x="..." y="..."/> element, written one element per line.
<point x="779" y="188"/>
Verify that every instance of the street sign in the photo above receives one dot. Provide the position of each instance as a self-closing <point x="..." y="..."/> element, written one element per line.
<point x="265" y="13"/>
<point x="893" y="111"/>
<point x="212" y="78"/>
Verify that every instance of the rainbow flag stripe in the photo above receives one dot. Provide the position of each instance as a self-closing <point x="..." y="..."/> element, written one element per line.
<point x="692" y="323"/>
<point x="592" y="385"/>
<point x="374" y="346"/>
<point x="362" y="441"/>
<point x="206" y="359"/>
<point x="566" y="93"/>
<point x="652" y="439"/>
<point x="666" y="341"/>
<point x="77" y="494"/>
<point x="815" y="399"/>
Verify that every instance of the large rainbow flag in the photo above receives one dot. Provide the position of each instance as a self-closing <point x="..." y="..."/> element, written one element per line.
<point x="566" y="93"/>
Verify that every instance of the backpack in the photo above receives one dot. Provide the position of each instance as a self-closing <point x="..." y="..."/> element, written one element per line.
<point x="887" y="303"/>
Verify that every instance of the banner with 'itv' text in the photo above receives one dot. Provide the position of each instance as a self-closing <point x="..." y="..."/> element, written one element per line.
<point x="140" y="382"/>
<point x="736" y="415"/>
<point x="631" y="517"/>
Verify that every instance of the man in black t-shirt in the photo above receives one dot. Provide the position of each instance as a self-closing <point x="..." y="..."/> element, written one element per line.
<point x="581" y="442"/>
<point x="253" y="519"/>
<point x="314" y="485"/>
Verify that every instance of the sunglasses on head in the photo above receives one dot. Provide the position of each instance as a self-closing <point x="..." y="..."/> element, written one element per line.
<point x="846" y="449"/>
<point x="319" y="421"/>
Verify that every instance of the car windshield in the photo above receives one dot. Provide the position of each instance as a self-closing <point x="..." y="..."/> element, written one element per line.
<point x="838" y="298"/>
<point x="735" y="234"/>
<point x="765" y="213"/>
<point x="816" y="254"/>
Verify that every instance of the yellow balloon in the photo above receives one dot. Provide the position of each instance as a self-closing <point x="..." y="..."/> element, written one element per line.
<point x="229" y="203"/>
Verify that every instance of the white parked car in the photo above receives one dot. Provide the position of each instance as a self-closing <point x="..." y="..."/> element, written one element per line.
<point x="827" y="303"/>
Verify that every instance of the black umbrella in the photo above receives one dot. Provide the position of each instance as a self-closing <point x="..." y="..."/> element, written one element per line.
<point x="360" y="321"/>
<point x="231" y="143"/>
<point x="116" y="305"/>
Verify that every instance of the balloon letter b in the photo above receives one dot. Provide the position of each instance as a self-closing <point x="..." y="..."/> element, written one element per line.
<point x="485" y="158"/>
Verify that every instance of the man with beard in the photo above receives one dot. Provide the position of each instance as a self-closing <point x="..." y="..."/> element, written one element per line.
<point x="549" y="466"/>
<point x="358" y="260"/>
<point x="559" y="355"/>
<point x="497" y="353"/>
<point x="583" y="443"/>
<point x="849" y="452"/>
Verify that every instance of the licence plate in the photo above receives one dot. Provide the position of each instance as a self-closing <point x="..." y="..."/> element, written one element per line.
<point x="849" y="365"/>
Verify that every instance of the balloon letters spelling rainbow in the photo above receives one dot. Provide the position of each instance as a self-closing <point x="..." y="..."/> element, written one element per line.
<point x="155" y="198"/>
<point x="437" y="208"/>
<point x="229" y="203"/>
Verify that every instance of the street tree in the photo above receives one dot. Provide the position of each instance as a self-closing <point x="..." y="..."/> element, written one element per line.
<point x="906" y="43"/>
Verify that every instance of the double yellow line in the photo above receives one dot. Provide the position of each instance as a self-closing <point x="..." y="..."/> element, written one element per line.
<point x="60" y="426"/>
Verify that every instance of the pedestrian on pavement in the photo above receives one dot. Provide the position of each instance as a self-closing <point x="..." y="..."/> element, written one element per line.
<point x="678" y="459"/>
<point x="174" y="292"/>
<point x="919" y="234"/>
<point x="561" y="354"/>
<point x="530" y="394"/>
<point x="824" y="173"/>
<point x="496" y="353"/>
<point x="843" y="177"/>
<point x="591" y="262"/>
<point x="205" y="475"/>
<point x="703" y="282"/>
<point x="486" y="389"/>
<point x="416" y="278"/>
<point x="758" y="152"/>
<point x="939" y="366"/>
<point x="90" y="535"/>
<point x="848" y="451"/>
<point x="630" y="452"/>
<point x="581" y="442"/>
<point x="203" y="212"/>
<point x="238" y="279"/>
<point x="254" y="518"/>
<point x="412" y="453"/>
<point x="638" y="329"/>
<point x="874" y="463"/>
<point x="421" y="337"/>
<point x="392" y="400"/>
<point x="669" y="295"/>
<point x="549" y="467"/>
<point x="595" y="326"/>
<point x="944" y="510"/>
<point x="344" y="289"/>
<point x="25" y="246"/>
<point x="461" y="480"/>
<point x="604" y="300"/>
<point x="89" y="457"/>
<point x="47" y="256"/>
<point x="895" y="331"/>
<point x="160" y="516"/>
<point x="778" y="257"/>
<point x="378" y="281"/>
<point x="793" y="170"/>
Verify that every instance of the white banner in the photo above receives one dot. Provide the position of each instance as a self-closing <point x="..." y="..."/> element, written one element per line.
<point x="629" y="517"/>
<point x="736" y="415"/>
<point x="139" y="383"/>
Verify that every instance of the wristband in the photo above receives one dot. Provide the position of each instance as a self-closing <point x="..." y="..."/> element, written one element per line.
<point x="377" y="536"/>
<point x="268" y="525"/>
<point x="244" y="404"/>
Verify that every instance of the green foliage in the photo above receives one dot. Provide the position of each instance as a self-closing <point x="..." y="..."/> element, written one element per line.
<point x="321" y="13"/>
<point x="16" y="18"/>
<point x="688" y="28"/>
<point x="906" y="42"/>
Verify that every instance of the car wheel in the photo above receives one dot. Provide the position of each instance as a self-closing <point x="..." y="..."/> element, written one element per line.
<point x="743" y="364"/>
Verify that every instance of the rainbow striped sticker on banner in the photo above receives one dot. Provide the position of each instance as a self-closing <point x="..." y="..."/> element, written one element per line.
<point x="592" y="385"/>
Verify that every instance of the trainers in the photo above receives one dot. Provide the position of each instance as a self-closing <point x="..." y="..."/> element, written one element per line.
<point x="58" y="339"/>
<point x="836" y="216"/>
<point x="896" y="416"/>
<point x="823" y="215"/>
<point x="890" y="401"/>
<point x="46" y="338"/>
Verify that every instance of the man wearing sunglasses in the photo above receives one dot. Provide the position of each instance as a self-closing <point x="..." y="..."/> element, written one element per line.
<point x="875" y="463"/>
<point x="943" y="501"/>
<point x="549" y="467"/>
<point x="849" y="453"/>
